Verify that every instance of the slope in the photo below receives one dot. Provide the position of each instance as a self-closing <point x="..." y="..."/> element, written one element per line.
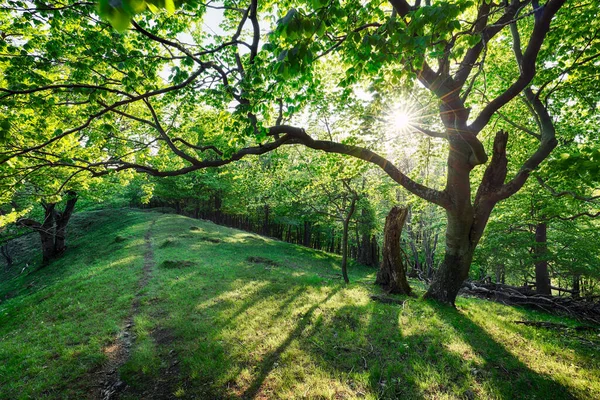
<point x="149" y="305"/>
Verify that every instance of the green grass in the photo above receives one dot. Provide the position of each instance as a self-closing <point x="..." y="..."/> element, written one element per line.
<point x="229" y="314"/>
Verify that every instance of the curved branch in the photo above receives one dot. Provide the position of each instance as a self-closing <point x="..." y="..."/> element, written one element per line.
<point x="528" y="68"/>
<point x="556" y="193"/>
<point x="434" y="196"/>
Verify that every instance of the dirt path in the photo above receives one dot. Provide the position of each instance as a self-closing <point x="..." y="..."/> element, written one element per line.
<point x="118" y="353"/>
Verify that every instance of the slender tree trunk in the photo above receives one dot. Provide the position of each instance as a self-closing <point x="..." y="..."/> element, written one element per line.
<point x="542" y="277"/>
<point x="217" y="208"/>
<point x="266" y="210"/>
<point x="392" y="273"/>
<point x="345" y="253"/>
<point x="413" y="247"/>
<point x="346" y="223"/>
<point x="306" y="238"/>
<point x="576" y="287"/>
<point x="374" y="252"/>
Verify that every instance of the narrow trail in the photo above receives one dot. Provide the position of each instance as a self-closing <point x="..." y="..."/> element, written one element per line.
<point x="119" y="352"/>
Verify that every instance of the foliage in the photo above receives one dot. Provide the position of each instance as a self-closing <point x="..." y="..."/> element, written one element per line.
<point x="170" y="96"/>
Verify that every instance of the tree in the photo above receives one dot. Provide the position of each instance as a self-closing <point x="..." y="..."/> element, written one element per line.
<point x="53" y="228"/>
<point x="98" y="84"/>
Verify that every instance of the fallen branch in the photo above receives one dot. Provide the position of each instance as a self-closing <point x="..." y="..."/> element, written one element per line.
<point x="556" y="325"/>
<point x="524" y="296"/>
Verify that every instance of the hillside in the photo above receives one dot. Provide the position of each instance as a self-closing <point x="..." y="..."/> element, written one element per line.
<point x="150" y="305"/>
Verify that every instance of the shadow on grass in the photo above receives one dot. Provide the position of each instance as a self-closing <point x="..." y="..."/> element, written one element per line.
<point x="510" y="377"/>
<point x="269" y="361"/>
<point x="363" y="343"/>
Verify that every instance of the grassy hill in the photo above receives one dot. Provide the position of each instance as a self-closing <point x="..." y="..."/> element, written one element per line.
<point x="149" y="305"/>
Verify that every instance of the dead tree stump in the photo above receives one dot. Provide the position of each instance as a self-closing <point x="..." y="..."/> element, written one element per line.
<point x="392" y="273"/>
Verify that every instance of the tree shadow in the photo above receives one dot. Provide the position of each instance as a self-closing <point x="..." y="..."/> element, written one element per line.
<point x="364" y="343"/>
<point x="269" y="361"/>
<point x="504" y="372"/>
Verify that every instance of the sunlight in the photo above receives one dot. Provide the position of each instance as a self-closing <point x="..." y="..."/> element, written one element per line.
<point x="400" y="121"/>
<point x="402" y="118"/>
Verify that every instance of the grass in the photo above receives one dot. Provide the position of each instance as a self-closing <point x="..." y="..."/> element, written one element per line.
<point x="228" y="314"/>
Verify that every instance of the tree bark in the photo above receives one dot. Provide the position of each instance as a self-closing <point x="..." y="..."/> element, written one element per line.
<point x="62" y="220"/>
<point x="45" y="230"/>
<point x="576" y="287"/>
<point x="265" y="229"/>
<point x="5" y="251"/>
<point x="392" y="273"/>
<point x="466" y="222"/>
<point x="542" y="277"/>
<point x="454" y="269"/>
<point x="346" y="223"/>
<point x="53" y="229"/>
<point x="306" y="237"/>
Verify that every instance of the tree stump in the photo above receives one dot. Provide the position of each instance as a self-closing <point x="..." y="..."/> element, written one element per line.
<point x="392" y="273"/>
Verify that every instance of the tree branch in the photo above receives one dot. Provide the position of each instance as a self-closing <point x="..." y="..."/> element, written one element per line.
<point x="528" y="68"/>
<point x="556" y="193"/>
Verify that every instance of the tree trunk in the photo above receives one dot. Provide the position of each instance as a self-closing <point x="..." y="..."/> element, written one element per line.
<point x="466" y="221"/>
<point x="345" y="253"/>
<point x="413" y="247"/>
<point x="265" y="229"/>
<point x="346" y="223"/>
<point x="53" y="229"/>
<point x="392" y="273"/>
<point x="374" y="252"/>
<point x="454" y="269"/>
<point x="62" y="220"/>
<point x="306" y="238"/>
<point x="46" y="231"/>
<point x="5" y="250"/>
<point x="217" y="208"/>
<point x="542" y="277"/>
<point x="576" y="288"/>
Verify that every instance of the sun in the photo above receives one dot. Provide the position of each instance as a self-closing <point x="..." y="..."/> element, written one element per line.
<point x="402" y="120"/>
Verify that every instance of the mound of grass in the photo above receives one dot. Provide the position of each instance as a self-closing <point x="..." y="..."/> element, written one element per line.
<point x="120" y="239"/>
<point x="176" y="264"/>
<point x="168" y="242"/>
<point x="209" y="239"/>
<point x="262" y="260"/>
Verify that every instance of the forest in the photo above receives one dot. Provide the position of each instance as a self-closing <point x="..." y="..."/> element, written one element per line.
<point x="324" y="199"/>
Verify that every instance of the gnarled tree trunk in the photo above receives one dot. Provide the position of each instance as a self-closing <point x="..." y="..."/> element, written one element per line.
<point x="53" y="229"/>
<point x="457" y="260"/>
<point x="392" y="273"/>
<point x="62" y="220"/>
<point x="466" y="222"/>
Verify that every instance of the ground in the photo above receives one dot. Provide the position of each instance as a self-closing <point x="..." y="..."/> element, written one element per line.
<point x="149" y="305"/>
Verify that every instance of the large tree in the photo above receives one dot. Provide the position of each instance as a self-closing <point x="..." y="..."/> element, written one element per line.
<point x="85" y="98"/>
